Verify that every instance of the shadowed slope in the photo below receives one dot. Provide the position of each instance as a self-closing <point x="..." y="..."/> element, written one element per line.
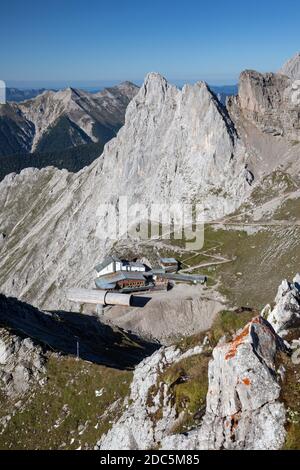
<point x="60" y="332"/>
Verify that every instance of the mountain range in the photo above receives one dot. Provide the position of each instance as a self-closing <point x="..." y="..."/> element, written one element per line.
<point x="222" y="377"/>
<point x="175" y="145"/>
<point x="17" y="94"/>
<point x="32" y="137"/>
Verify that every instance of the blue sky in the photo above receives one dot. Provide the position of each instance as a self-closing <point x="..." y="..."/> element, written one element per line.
<point x="96" y="42"/>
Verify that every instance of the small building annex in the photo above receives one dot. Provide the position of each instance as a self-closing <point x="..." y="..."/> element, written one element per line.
<point x="169" y="264"/>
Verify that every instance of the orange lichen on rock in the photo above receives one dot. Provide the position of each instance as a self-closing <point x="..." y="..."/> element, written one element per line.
<point x="241" y="337"/>
<point x="237" y="341"/>
<point x="246" y="381"/>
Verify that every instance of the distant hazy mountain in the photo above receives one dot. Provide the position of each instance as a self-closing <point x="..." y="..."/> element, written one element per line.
<point x="17" y="95"/>
<point x="58" y="120"/>
<point x="223" y="91"/>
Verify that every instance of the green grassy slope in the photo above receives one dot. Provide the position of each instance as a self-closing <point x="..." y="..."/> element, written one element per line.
<point x="66" y="413"/>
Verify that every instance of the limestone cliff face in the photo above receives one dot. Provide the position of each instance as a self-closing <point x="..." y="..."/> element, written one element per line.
<point x="175" y="145"/>
<point x="270" y="102"/>
<point x="243" y="410"/>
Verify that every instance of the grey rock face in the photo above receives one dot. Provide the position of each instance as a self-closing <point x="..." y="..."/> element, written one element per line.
<point x="261" y="429"/>
<point x="243" y="411"/>
<point x="269" y="102"/>
<point x="21" y="364"/>
<point x="292" y="67"/>
<point x="242" y="405"/>
<point x="136" y="429"/>
<point x="235" y="371"/>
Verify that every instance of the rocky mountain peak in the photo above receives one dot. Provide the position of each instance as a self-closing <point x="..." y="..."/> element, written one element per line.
<point x="154" y="86"/>
<point x="266" y="100"/>
<point x="292" y="67"/>
<point x="127" y="85"/>
<point x="155" y="77"/>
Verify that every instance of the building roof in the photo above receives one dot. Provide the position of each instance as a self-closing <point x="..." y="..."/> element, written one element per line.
<point x="122" y="275"/>
<point x="158" y="271"/>
<point x="168" y="260"/>
<point x="108" y="260"/>
<point x="102" y="284"/>
<point x="185" y="277"/>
